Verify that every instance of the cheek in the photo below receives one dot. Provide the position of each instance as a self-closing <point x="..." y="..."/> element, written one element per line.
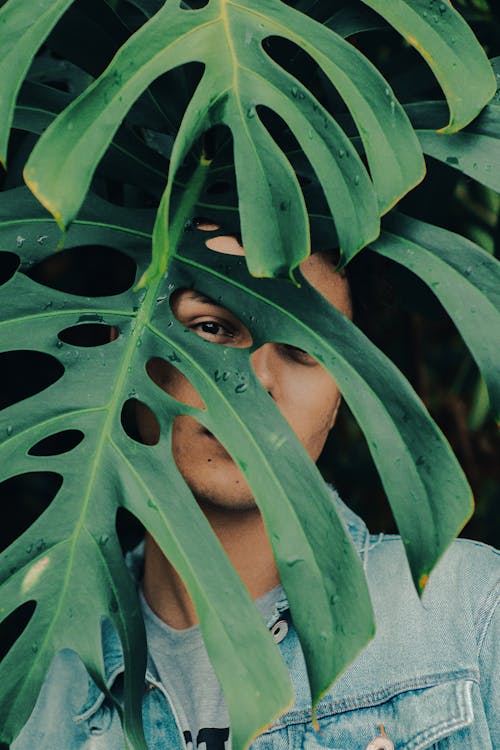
<point x="173" y="382"/>
<point x="310" y="408"/>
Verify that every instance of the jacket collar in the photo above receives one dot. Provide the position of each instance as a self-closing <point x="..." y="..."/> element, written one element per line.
<point x="112" y="649"/>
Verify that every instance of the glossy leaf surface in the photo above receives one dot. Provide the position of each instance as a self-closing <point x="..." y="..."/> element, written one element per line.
<point x="108" y="469"/>
<point x="317" y="562"/>
<point x="466" y="280"/>
<point x="21" y="34"/>
<point x="446" y="42"/>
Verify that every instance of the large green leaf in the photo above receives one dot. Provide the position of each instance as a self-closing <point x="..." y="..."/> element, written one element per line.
<point x="128" y="159"/>
<point x="448" y="45"/>
<point x="239" y="76"/>
<point x="475" y="151"/>
<point x="317" y="562"/>
<point x="21" y="34"/>
<point x="109" y="469"/>
<point x="465" y="279"/>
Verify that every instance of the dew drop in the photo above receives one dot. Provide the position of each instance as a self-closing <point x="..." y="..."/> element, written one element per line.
<point x="341" y="153"/>
<point x="294" y="91"/>
<point x="356" y="179"/>
<point x="103" y="539"/>
<point x="250" y="112"/>
<point x="42" y="239"/>
<point x="34" y="647"/>
<point x="241" y="388"/>
<point x="9" y="429"/>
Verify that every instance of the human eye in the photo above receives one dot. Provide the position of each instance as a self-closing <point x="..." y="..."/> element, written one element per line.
<point x="213" y="330"/>
<point x="298" y="355"/>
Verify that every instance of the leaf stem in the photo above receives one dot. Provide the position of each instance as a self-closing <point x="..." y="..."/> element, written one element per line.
<point x="167" y="237"/>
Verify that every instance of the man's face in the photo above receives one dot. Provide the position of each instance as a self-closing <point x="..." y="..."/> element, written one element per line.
<point x="304" y="391"/>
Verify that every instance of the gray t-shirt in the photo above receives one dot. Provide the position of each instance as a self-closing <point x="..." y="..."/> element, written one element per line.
<point x="183" y="666"/>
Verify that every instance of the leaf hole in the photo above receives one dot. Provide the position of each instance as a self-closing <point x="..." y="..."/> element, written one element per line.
<point x="25" y="373"/>
<point x="207" y="467"/>
<point x="90" y="271"/>
<point x="204" y="224"/>
<point x="58" y="443"/>
<point x="9" y="263"/>
<point x="192" y="4"/>
<point x="129" y="530"/>
<point x="171" y="380"/>
<point x="139" y="422"/>
<point x="220" y="187"/>
<point x="209" y="319"/>
<point x="13" y="627"/>
<point x="27" y="496"/>
<point x="228" y="244"/>
<point x="89" y="334"/>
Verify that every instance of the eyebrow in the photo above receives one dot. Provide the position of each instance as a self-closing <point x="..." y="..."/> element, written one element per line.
<point x="195" y="296"/>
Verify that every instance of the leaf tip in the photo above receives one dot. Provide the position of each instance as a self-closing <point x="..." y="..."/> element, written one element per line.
<point x="422" y="582"/>
<point x="34" y="186"/>
<point x="314" y="720"/>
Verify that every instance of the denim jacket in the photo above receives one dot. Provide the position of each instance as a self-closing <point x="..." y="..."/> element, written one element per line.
<point x="430" y="676"/>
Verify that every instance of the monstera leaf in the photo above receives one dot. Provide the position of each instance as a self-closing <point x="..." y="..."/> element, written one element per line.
<point x="465" y="279"/>
<point x="104" y="132"/>
<point x="109" y="469"/>
<point x="240" y="81"/>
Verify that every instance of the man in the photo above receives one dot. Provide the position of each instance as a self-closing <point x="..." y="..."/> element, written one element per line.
<point x="427" y="679"/>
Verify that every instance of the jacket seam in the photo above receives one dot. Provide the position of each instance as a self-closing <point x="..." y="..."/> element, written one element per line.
<point x="442" y="728"/>
<point x="374" y="698"/>
<point x="493" y="597"/>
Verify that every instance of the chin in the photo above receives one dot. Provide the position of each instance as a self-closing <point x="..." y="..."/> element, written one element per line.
<point x="225" y="495"/>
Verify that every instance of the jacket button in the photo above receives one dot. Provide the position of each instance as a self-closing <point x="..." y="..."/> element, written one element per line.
<point x="279" y="630"/>
<point x="382" y="742"/>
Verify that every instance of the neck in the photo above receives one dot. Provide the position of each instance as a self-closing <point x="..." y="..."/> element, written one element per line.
<point x="244" y="539"/>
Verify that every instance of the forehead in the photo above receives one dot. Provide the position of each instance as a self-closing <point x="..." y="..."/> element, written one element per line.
<point x="319" y="270"/>
<point x="210" y="240"/>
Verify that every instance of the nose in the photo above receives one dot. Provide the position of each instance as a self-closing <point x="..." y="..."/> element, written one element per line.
<point x="264" y="365"/>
